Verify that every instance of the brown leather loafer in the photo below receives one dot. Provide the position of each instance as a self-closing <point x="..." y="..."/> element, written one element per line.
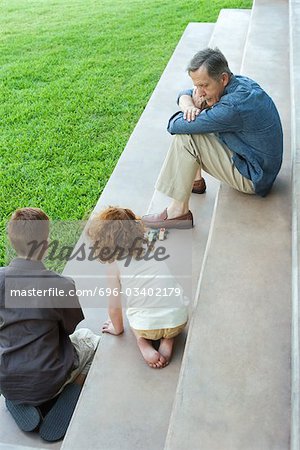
<point x="199" y="186"/>
<point x="161" y="221"/>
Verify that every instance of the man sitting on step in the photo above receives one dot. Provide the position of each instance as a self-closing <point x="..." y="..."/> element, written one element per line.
<point x="40" y="354"/>
<point x="229" y="127"/>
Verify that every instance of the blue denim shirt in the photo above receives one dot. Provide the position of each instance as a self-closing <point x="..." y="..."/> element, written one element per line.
<point x="247" y="121"/>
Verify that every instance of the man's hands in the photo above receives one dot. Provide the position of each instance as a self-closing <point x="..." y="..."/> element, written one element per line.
<point x="192" y="106"/>
<point x="191" y="113"/>
<point x="109" y="328"/>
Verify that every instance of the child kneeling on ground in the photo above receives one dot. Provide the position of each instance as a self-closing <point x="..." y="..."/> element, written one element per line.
<point x="118" y="236"/>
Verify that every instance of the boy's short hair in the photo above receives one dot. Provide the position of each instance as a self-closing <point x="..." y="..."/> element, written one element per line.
<point x="27" y="225"/>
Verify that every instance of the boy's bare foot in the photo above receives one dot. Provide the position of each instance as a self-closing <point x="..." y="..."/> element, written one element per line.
<point x="166" y="348"/>
<point x="152" y="357"/>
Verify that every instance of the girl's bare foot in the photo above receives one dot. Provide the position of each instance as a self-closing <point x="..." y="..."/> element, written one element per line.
<point x="152" y="357"/>
<point x="166" y="348"/>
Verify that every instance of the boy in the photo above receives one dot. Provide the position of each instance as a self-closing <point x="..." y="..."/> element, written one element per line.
<point x="39" y="355"/>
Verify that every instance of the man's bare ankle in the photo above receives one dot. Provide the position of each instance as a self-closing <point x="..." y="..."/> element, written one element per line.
<point x="80" y="379"/>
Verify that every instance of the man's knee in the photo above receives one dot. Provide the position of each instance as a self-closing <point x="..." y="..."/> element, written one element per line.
<point x="181" y="140"/>
<point x="184" y="143"/>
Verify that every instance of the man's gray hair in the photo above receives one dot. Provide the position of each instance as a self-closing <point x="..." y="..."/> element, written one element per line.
<point x="213" y="60"/>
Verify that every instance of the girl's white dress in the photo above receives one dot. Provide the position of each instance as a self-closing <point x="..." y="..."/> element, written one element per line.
<point x="155" y="300"/>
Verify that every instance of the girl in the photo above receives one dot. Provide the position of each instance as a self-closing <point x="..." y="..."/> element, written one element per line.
<point x="155" y="301"/>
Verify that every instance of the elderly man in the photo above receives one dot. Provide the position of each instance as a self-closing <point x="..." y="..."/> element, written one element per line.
<point x="229" y="127"/>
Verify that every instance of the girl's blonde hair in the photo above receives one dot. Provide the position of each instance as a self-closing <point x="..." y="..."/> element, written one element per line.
<point x="116" y="233"/>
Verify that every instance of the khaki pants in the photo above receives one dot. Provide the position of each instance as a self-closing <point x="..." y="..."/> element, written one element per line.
<point x="189" y="152"/>
<point x="85" y="343"/>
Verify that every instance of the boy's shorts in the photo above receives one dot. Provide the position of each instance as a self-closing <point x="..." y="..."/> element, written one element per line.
<point x="154" y="335"/>
<point x="85" y="343"/>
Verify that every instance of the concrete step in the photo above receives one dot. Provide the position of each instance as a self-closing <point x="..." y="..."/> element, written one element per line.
<point x="124" y="403"/>
<point x="295" y="145"/>
<point x="146" y="424"/>
<point x="145" y="427"/>
<point x="234" y="386"/>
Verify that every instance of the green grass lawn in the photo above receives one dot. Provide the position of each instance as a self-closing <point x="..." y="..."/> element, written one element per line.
<point x="75" y="76"/>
